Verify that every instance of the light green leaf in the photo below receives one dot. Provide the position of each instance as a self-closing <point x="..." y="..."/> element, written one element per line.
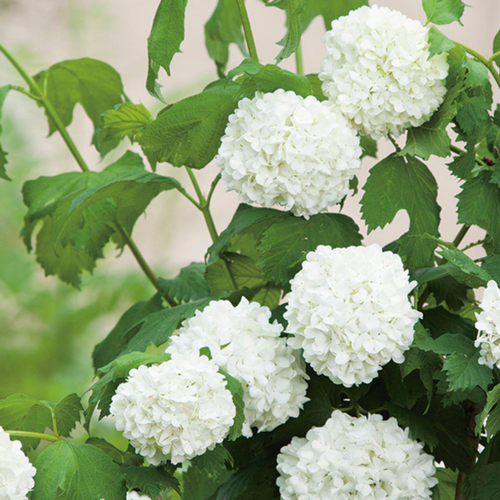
<point x="94" y="84"/>
<point x="496" y="47"/>
<point x="328" y="10"/>
<point x="165" y="40"/>
<point x="447" y="485"/>
<point x="234" y="386"/>
<point x="443" y="11"/>
<point x="187" y="133"/>
<point x="397" y="184"/>
<point x="79" y="472"/>
<point x="223" y="29"/>
<point x="438" y="42"/>
<point x="3" y="155"/>
<point x="189" y="285"/>
<point x="286" y="242"/>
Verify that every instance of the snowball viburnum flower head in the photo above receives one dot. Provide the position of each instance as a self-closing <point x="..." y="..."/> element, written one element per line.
<point x="134" y="495"/>
<point x="175" y="410"/>
<point x="245" y="344"/>
<point x="350" y="458"/>
<point x="349" y="311"/>
<point x="488" y="326"/>
<point x="282" y="149"/>
<point x="378" y="71"/>
<point x="16" y="471"/>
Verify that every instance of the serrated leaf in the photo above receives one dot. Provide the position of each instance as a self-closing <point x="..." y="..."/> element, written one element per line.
<point x="496" y="47"/>
<point x="490" y="414"/>
<point x="165" y="40"/>
<point x="187" y="133"/>
<point x="92" y="83"/>
<point x="3" y="155"/>
<point x="447" y="485"/>
<point x="268" y="296"/>
<point x="491" y="265"/>
<point x="150" y="481"/>
<point x="463" y="164"/>
<point x="234" y="386"/>
<point x="286" y="242"/>
<point x="397" y="184"/>
<point x="77" y="471"/>
<point x="189" y="285"/>
<point x="213" y="462"/>
<point x="221" y="30"/>
<point x="438" y="42"/>
<point x="67" y="414"/>
<point x="443" y="11"/>
<point x="484" y="483"/>
<point x="328" y="10"/>
<point x="124" y="120"/>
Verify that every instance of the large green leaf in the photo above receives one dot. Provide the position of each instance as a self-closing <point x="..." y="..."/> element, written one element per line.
<point x="77" y="471"/>
<point x="287" y="241"/>
<point x="150" y="481"/>
<point x="490" y="414"/>
<point x="221" y="30"/>
<point x="328" y="10"/>
<point x="483" y="483"/>
<point x="67" y="414"/>
<point x="443" y="11"/>
<point x="447" y="485"/>
<point x="165" y="40"/>
<point x="189" y="285"/>
<point x="94" y="84"/>
<point x="397" y="184"/>
<point x="3" y="155"/>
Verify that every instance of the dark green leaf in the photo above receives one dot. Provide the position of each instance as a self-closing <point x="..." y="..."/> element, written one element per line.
<point x="79" y="472"/>
<point x="443" y="11"/>
<point x="491" y="412"/>
<point x="189" y="285"/>
<point x="213" y="462"/>
<point x="93" y="84"/>
<point x="67" y="414"/>
<point x="236" y="389"/>
<point x="491" y="265"/>
<point x="165" y="40"/>
<point x="3" y="155"/>
<point x="150" y="481"/>
<point x="188" y="132"/>
<point x="483" y="483"/>
<point x="397" y="184"/>
<point x="328" y="10"/>
<point x="268" y="296"/>
<point x="286" y="243"/>
<point x="446" y="488"/>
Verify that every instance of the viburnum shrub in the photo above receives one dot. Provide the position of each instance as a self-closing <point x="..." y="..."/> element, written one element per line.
<point x="294" y="362"/>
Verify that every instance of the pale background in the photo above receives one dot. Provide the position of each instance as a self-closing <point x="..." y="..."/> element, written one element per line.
<point x="42" y="32"/>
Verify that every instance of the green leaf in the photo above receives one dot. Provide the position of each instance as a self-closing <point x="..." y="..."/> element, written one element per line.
<point x="77" y="471"/>
<point x="214" y="461"/>
<point x="397" y="184"/>
<point x="447" y="485"/>
<point x="189" y="285"/>
<point x="23" y="413"/>
<point x="94" y="84"/>
<point x="463" y="164"/>
<point x="438" y="42"/>
<point x="479" y="204"/>
<point x="484" y="483"/>
<point x="490" y="414"/>
<point x="165" y="40"/>
<point x="188" y="132"/>
<point x="67" y="414"/>
<point x="328" y="10"/>
<point x="234" y="386"/>
<point x="293" y="10"/>
<point x="496" y="47"/>
<point x="221" y="30"/>
<point x="286" y="242"/>
<point x="124" y="120"/>
<point x="268" y="296"/>
<point x="3" y="155"/>
<point x="111" y="347"/>
<point x="443" y="11"/>
<point x="150" y="481"/>
<point x="491" y="265"/>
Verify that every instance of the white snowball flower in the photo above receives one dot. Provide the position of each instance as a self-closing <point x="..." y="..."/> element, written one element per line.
<point x="16" y="471"/>
<point x="133" y="495"/>
<point x="379" y="73"/>
<point x="244" y="342"/>
<point x="365" y="458"/>
<point x="488" y="325"/>
<point x="175" y="410"/>
<point x="349" y="310"/>
<point x="282" y="149"/>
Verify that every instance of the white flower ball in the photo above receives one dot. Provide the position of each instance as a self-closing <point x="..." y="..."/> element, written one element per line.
<point x="244" y="343"/>
<point x="282" y="149"/>
<point x="16" y="471"/>
<point x="379" y="73"/>
<point x="133" y="495"/>
<point x="488" y="325"/>
<point x="175" y="410"/>
<point x="349" y="311"/>
<point x="356" y="458"/>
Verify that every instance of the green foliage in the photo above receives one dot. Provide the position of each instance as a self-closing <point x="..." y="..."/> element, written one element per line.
<point x="77" y="471"/>
<point x="445" y="489"/>
<point x="165" y="40"/>
<point x="150" y="481"/>
<point x="189" y="285"/>
<point x="328" y="10"/>
<point x="398" y="183"/>
<point x="443" y="11"/>
<point x="236" y="389"/>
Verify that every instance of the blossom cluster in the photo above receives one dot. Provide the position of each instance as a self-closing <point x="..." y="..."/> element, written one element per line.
<point x="282" y="149"/>
<point x="353" y="458"/>
<point x="349" y="311"/>
<point x="488" y="326"/>
<point x="175" y="410"/>
<point x="245" y="343"/>
<point x="16" y="471"/>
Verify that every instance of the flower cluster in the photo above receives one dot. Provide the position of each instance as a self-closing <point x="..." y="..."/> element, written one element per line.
<point x="356" y="459"/>
<point x="379" y="73"/>
<point x="133" y="495"/>
<point x="175" y="410"/>
<point x="282" y="149"/>
<point x="488" y="325"/>
<point x="349" y="311"/>
<point x="16" y="471"/>
<point x="244" y="342"/>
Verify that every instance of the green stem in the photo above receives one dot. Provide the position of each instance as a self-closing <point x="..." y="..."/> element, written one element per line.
<point x="394" y="143"/>
<point x="38" y="94"/>
<point x="24" y="91"/>
<point x="461" y="151"/>
<point x="212" y="188"/>
<point x="493" y="57"/>
<point x="461" y="235"/>
<point x="36" y="435"/>
<point x="483" y="60"/>
<point x="247" y="29"/>
<point x="298" y="59"/>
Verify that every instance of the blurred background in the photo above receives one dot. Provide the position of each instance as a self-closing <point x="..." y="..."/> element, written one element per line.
<point x="48" y="329"/>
